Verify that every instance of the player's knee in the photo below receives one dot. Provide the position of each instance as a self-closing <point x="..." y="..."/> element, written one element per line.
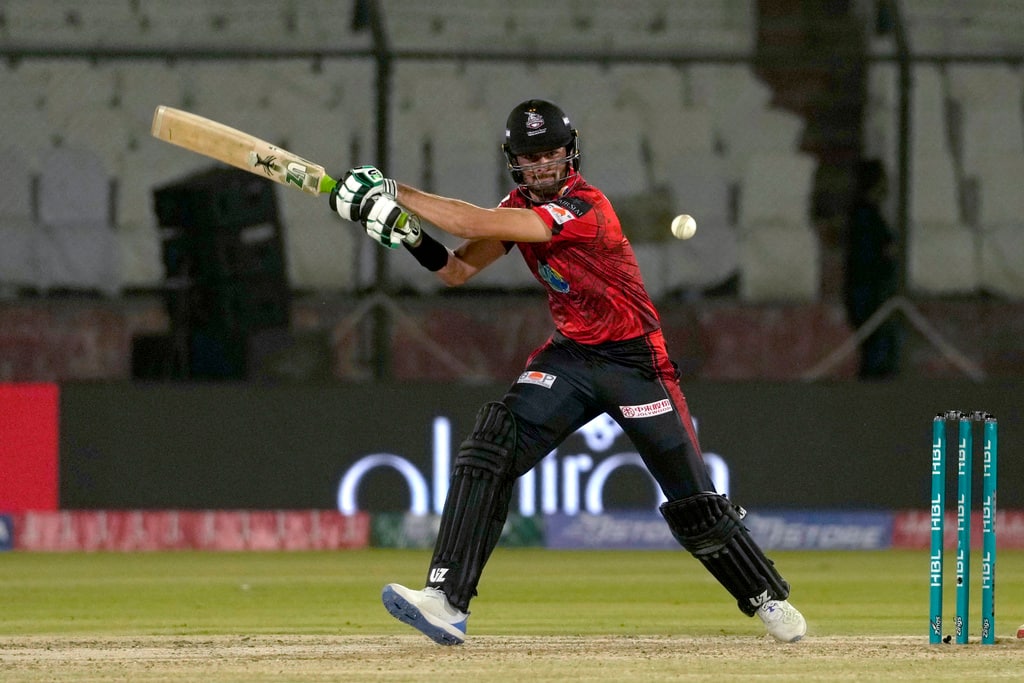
<point x="492" y="443"/>
<point x="704" y="523"/>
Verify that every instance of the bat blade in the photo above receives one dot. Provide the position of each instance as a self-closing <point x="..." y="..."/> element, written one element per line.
<point x="239" y="149"/>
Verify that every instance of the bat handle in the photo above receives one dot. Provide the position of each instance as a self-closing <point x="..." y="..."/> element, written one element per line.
<point x="327" y="183"/>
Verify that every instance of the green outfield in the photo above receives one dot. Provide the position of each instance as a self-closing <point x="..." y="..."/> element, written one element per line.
<point x="541" y="615"/>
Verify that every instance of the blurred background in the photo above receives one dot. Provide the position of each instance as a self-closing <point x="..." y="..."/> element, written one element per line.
<point x="129" y="263"/>
<point x="749" y="115"/>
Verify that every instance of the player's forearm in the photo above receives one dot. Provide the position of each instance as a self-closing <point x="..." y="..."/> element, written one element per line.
<point x="469" y="221"/>
<point x="454" y="216"/>
<point x="455" y="272"/>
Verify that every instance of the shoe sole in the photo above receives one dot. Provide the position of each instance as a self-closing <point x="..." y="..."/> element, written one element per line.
<point x="408" y="613"/>
<point x="788" y="619"/>
<point x="791" y="639"/>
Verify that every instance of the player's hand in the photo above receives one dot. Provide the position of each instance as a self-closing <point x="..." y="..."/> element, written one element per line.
<point x="348" y="196"/>
<point x="386" y="222"/>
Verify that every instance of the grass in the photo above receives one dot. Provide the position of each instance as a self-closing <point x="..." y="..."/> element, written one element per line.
<point x="538" y="597"/>
<point x="523" y="592"/>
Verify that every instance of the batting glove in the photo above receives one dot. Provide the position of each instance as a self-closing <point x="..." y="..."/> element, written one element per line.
<point x="387" y="223"/>
<point x="348" y="197"/>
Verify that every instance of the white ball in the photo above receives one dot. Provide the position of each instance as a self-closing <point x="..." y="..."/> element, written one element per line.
<point x="684" y="226"/>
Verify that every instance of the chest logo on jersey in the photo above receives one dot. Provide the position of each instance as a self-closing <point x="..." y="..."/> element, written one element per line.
<point x="647" y="409"/>
<point x="541" y="379"/>
<point x="553" y="278"/>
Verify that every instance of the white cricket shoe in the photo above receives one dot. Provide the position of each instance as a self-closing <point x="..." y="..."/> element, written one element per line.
<point x="783" y="621"/>
<point x="428" y="611"/>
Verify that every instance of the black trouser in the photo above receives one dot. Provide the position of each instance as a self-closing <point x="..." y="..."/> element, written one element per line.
<point x="565" y="386"/>
<point x="634" y="376"/>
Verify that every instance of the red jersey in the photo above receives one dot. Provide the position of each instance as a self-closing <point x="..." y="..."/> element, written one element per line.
<point x="595" y="291"/>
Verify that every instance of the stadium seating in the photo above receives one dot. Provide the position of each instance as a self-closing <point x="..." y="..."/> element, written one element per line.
<point x="19" y="232"/>
<point x="698" y="130"/>
<point x="78" y="249"/>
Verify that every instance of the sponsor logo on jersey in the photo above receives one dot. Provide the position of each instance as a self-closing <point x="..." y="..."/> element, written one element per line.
<point x="553" y="278"/>
<point x="541" y="379"/>
<point x="566" y="209"/>
<point x="647" y="409"/>
<point x="575" y="205"/>
<point x="561" y="214"/>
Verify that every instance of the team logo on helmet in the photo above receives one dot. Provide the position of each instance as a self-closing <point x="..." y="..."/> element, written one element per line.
<point x="535" y="123"/>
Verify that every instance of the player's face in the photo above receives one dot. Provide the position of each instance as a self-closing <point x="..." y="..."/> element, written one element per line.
<point x="544" y="172"/>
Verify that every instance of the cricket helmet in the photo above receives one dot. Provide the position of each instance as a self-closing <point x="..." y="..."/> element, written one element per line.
<point x="537" y="126"/>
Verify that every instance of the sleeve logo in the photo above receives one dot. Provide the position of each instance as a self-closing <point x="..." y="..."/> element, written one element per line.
<point x="561" y="214"/>
<point x="564" y="209"/>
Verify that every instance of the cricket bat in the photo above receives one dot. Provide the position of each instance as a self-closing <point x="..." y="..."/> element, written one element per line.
<point x="241" y="150"/>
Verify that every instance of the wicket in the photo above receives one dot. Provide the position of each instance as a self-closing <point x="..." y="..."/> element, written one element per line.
<point x="965" y="467"/>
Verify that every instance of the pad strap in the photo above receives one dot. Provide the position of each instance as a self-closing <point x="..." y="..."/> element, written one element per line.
<point x="711" y="528"/>
<point x="476" y="507"/>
